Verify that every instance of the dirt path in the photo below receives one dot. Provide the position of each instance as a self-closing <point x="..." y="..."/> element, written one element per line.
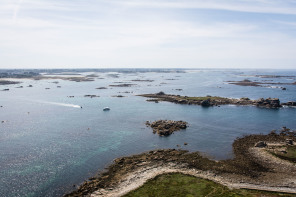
<point x="251" y="168"/>
<point x="138" y="177"/>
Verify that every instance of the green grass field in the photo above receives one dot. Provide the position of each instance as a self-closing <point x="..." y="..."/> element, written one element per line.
<point x="180" y="185"/>
<point x="206" y="98"/>
<point x="290" y="154"/>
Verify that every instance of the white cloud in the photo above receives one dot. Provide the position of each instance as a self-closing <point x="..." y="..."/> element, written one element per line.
<point x="116" y="33"/>
<point x="258" y="6"/>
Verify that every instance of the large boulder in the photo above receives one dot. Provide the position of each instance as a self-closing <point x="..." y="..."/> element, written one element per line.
<point x="206" y="103"/>
<point x="269" y="103"/>
<point x="289" y="142"/>
<point x="260" y="144"/>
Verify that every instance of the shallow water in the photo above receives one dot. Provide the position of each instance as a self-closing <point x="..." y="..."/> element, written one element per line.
<point x="48" y="143"/>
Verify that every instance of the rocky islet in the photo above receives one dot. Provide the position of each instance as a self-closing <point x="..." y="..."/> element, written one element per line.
<point x="208" y="101"/>
<point x="166" y="127"/>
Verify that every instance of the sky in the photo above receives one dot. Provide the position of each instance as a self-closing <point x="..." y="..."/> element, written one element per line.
<point x="148" y="34"/>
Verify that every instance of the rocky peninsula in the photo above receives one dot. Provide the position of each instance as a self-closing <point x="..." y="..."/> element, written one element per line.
<point x="166" y="127"/>
<point x="208" y="101"/>
<point x="123" y="85"/>
<point x="7" y="82"/>
<point x="253" y="167"/>
<point x="247" y="82"/>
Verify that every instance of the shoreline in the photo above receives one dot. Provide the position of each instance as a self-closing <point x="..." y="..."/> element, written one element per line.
<point x="251" y="169"/>
<point x="139" y="177"/>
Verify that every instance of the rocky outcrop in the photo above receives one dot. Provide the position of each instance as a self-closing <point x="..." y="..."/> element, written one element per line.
<point x="119" y="96"/>
<point x="152" y="100"/>
<point x="245" y="82"/>
<point x="6" y="82"/>
<point x="208" y="101"/>
<point x="91" y="96"/>
<point x="260" y="144"/>
<point x="290" y="103"/>
<point x="269" y="103"/>
<point x="166" y="127"/>
<point x="289" y="142"/>
<point x="143" y="80"/>
<point x="123" y="85"/>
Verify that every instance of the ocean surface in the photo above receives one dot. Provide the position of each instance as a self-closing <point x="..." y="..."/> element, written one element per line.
<point x="48" y="143"/>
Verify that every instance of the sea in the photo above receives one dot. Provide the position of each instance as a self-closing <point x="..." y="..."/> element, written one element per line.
<point x="49" y="144"/>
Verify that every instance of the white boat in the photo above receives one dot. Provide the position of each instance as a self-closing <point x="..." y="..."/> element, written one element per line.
<point x="106" y="109"/>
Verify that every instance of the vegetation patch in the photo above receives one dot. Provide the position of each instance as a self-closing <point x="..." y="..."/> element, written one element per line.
<point x="286" y="152"/>
<point x="177" y="184"/>
<point x="202" y="98"/>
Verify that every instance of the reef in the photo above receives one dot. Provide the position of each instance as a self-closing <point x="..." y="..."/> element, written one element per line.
<point x="166" y="127"/>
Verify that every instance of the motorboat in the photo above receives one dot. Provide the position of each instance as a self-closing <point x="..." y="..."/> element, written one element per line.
<point x="106" y="109"/>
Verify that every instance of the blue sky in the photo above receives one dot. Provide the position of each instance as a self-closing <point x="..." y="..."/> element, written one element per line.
<point x="148" y="33"/>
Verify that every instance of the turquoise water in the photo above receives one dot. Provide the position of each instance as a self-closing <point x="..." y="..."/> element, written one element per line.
<point x="57" y="144"/>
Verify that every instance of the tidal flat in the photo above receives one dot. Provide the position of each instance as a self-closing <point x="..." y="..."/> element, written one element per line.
<point x="50" y="145"/>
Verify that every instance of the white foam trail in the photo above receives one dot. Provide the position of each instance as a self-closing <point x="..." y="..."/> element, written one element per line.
<point x="60" y="104"/>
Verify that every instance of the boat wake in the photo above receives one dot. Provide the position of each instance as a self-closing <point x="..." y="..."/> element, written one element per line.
<point x="60" y="104"/>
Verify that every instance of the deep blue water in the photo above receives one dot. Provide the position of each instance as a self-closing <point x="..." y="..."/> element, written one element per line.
<point x="55" y="145"/>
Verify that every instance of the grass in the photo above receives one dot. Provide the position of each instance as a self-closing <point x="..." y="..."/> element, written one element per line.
<point x="180" y="185"/>
<point x="291" y="152"/>
<point x="206" y="98"/>
<point x="290" y="155"/>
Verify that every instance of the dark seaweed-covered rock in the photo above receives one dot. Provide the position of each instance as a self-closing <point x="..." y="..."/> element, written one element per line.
<point x="290" y="103"/>
<point x="160" y="93"/>
<point x="6" y="82"/>
<point x="269" y="103"/>
<point x="119" y="96"/>
<point x="123" y="85"/>
<point x="166" y="127"/>
<point x="91" y="96"/>
<point x="260" y="144"/>
<point x="206" y="103"/>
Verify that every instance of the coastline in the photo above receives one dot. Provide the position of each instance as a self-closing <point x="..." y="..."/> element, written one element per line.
<point x="251" y="169"/>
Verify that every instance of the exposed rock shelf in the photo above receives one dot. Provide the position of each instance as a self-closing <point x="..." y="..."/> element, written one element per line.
<point x="166" y="127"/>
<point x="216" y="101"/>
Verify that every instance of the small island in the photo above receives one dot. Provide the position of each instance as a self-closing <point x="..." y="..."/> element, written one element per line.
<point x="208" y="101"/>
<point x="247" y="82"/>
<point x="7" y="82"/>
<point x="123" y="85"/>
<point x="166" y="127"/>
